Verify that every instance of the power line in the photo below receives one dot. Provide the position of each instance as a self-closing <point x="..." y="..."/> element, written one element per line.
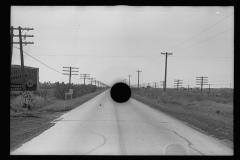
<point x="204" y="40"/>
<point x="191" y="38"/>
<point x="192" y="46"/>
<point x="94" y="55"/>
<point x="44" y="64"/>
<point x="46" y="47"/>
<point x="38" y="60"/>
<point x="50" y="58"/>
<point x="199" y="57"/>
<point x="201" y="32"/>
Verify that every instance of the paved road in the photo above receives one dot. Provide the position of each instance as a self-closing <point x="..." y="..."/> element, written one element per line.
<point x="131" y="128"/>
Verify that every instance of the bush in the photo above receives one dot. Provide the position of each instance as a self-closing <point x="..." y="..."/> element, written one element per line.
<point x="78" y="90"/>
<point x="17" y="104"/>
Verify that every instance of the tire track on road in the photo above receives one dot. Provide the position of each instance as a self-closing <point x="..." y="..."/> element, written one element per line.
<point x="121" y="141"/>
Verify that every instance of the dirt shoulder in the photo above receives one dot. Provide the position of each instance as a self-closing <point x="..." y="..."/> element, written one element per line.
<point x="219" y="126"/>
<point x="26" y="126"/>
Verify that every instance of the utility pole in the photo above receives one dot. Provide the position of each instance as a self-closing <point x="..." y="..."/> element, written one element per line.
<point x="203" y="81"/>
<point x="91" y="80"/>
<point x="129" y="79"/>
<point x="177" y="83"/>
<point x="70" y="74"/>
<point x="84" y="76"/>
<point x="95" y="82"/>
<point x="162" y="83"/>
<point x="21" y="50"/>
<point x="138" y="80"/>
<point x="155" y="84"/>
<point x="11" y="46"/>
<point x="165" y="89"/>
<point x="209" y="88"/>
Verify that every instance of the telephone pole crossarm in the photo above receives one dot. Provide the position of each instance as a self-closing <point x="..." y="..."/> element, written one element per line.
<point x="138" y="80"/>
<point x="20" y="29"/>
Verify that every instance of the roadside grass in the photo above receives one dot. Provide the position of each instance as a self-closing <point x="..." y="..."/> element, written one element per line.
<point x="67" y="105"/>
<point x="27" y="124"/>
<point x="52" y="104"/>
<point x="212" y="114"/>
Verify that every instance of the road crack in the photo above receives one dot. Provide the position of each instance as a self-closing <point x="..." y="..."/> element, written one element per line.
<point x="104" y="138"/>
<point x="121" y="141"/>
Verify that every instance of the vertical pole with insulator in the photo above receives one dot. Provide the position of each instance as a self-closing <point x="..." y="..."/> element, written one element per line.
<point x="22" y="61"/>
<point x="138" y="80"/>
<point x="129" y="79"/>
<point x="11" y="46"/>
<point x="165" y="85"/>
<point x="70" y="77"/>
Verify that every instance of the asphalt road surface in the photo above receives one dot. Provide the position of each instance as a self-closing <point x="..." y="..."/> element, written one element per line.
<point x="104" y="127"/>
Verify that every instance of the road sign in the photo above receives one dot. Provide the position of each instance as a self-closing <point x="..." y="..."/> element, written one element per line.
<point x="27" y="97"/>
<point x="31" y="77"/>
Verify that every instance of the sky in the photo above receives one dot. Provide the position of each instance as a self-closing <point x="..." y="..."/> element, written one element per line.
<point x="111" y="43"/>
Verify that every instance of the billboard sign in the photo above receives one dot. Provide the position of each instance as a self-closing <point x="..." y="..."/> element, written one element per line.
<point x="31" y="78"/>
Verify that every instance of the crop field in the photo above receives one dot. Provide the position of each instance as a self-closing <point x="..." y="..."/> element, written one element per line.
<point x="211" y="113"/>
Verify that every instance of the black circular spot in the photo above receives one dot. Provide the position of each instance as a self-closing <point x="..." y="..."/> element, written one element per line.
<point x="120" y="92"/>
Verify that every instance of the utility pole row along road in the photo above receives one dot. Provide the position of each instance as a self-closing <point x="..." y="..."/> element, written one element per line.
<point x="130" y="128"/>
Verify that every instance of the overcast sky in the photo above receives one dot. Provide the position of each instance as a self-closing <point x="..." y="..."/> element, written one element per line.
<point x="110" y="43"/>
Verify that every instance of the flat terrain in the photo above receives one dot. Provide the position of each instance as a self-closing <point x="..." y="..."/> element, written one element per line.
<point x="212" y="115"/>
<point x="26" y="125"/>
<point x="103" y="127"/>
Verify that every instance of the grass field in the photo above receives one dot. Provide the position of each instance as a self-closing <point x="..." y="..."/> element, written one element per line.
<point x="211" y="114"/>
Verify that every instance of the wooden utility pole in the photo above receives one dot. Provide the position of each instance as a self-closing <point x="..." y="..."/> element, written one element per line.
<point x="162" y="83"/>
<point x="165" y="86"/>
<point x="22" y="60"/>
<point x="91" y="80"/>
<point x="95" y="81"/>
<point x="202" y="82"/>
<point x="177" y="83"/>
<point x="21" y="50"/>
<point x="84" y="76"/>
<point x="129" y="80"/>
<point x="138" y="80"/>
<point x="70" y="73"/>
<point x="155" y="84"/>
<point x="11" y="46"/>
<point x="209" y="89"/>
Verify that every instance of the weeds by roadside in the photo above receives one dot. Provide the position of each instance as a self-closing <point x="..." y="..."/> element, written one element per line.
<point x="212" y="113"/>
<point x="25" y="125"/>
